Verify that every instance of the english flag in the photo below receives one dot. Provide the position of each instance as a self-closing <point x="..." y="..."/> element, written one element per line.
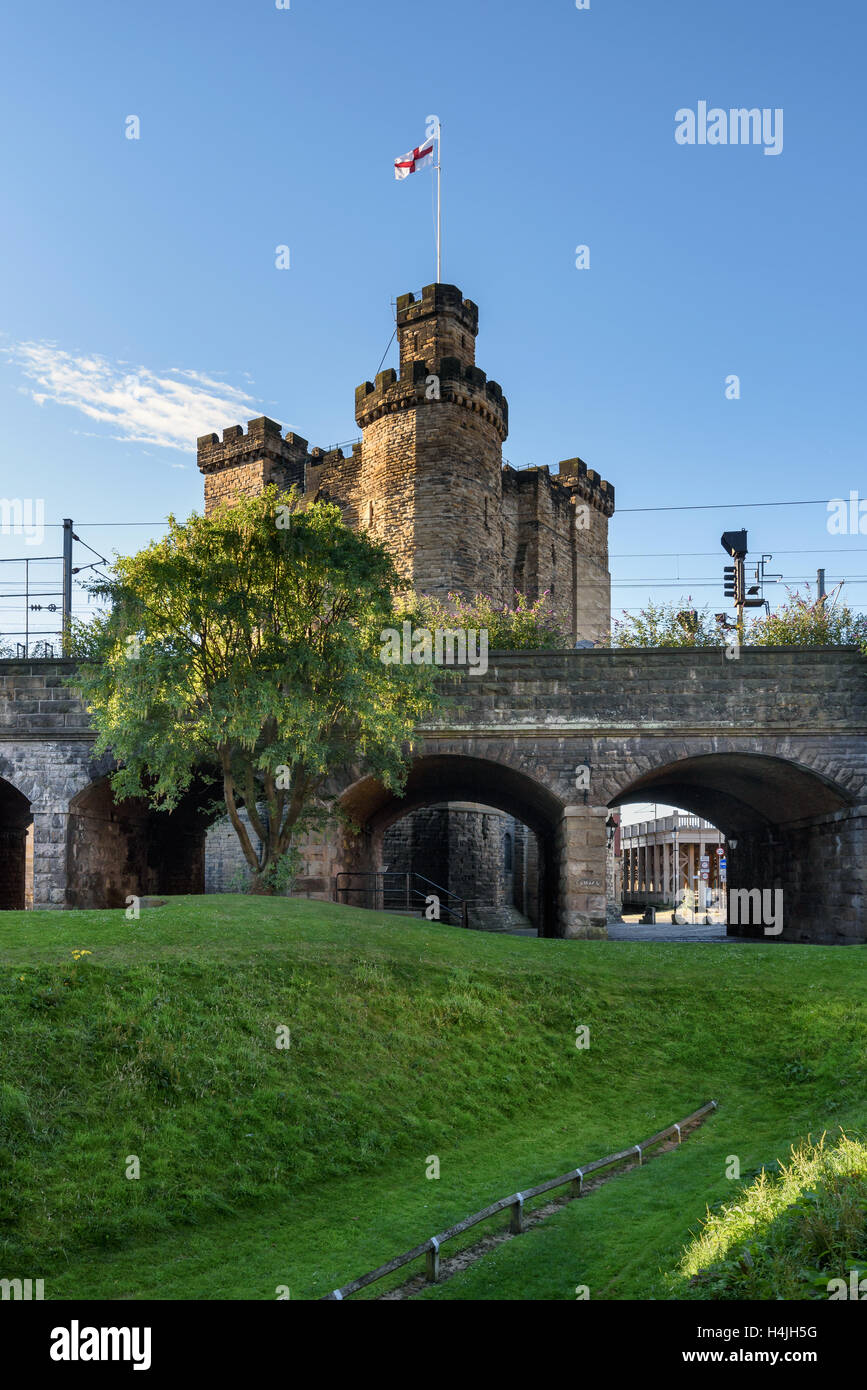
<point x="418" y="158"/>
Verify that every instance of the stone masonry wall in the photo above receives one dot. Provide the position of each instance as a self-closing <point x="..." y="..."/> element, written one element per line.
<point x="778" y="738"/>
<point x="461" y="847"/>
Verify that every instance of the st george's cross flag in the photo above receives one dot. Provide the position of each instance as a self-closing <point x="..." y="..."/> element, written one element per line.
<point x="418" y="158"/>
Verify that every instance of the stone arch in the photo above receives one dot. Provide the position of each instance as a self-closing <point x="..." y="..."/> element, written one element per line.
<point x="115" y="849"/>
<point x="437" y="777"/>
<point x="790" y="827"/>
<point x="738" y="790"/>
<point x="16" y="848"/>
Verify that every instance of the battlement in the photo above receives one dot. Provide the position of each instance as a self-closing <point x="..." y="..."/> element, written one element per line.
<point x="577" y="481"/>
<point x="438" y="301"/>
<point x="586" y="483"/>
<point x="263" y="440"/>
<point x="247" y="462"/>
<point x="441" y="323"/>
<point x="429" y="383"/>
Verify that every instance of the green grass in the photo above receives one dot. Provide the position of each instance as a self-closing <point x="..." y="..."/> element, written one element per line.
<point x="305" y="1167"/>
<point x="789" y="1232"/>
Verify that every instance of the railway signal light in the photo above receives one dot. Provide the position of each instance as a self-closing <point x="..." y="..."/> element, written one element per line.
<point x="734" y="543"/>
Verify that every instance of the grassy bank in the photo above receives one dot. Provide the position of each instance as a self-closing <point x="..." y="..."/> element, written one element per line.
<point x="305" y="1165"/>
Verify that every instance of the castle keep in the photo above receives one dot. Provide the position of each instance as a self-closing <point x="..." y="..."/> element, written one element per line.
<point x="428" y="477"/>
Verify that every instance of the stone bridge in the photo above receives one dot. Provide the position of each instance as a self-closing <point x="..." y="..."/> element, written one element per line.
<point x="771" y="747"/>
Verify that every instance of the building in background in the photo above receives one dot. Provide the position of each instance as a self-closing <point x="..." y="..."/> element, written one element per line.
<point x="669" y="855"/>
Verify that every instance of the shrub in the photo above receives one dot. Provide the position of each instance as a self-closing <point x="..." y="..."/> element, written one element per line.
<point x="806" y="622"/>
<point x="525" y="626"/>
<point x="666" y="625"/>
<point x="787" y="1234"/>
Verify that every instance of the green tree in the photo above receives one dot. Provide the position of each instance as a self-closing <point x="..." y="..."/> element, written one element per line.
<point x="248" y="642"/>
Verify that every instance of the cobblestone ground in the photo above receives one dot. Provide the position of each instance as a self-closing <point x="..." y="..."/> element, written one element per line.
<point x="666" y="931"/>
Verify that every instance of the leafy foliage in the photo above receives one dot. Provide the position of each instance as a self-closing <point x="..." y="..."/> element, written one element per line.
<point x="248" y="642"/>
<point x="799" y="622"/>
<point x="666" y="625"/>
<point x="790" y="1232"/>
<point x="806" y="622"/>
<point x="528" y="625"/>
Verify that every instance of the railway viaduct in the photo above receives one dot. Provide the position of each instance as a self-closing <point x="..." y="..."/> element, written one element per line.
<point x="771" y="747"/>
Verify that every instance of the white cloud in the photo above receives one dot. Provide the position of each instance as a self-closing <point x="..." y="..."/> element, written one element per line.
<point x="169" y="411"/>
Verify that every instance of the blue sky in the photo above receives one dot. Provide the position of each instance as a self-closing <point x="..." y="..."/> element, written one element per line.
<point x="141" y="304"/>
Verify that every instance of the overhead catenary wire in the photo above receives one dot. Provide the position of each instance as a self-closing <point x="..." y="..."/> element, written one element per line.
<point x="621" y="511"/>
<point x="704" y="554"/>
<point x="648" y="583"/>
<point x="728" y="506"/>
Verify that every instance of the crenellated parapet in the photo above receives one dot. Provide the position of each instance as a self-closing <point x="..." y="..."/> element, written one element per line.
<point x="586" y="483"/>
<point x="246" y="462"/>
<point x="571" y="484"/>
<point x="428" y="383"/>
<point x="263" y="440"/>
<point x="440" y="323"/>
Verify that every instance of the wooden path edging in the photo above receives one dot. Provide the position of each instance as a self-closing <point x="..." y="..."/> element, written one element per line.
<point x="431" y="1247"/>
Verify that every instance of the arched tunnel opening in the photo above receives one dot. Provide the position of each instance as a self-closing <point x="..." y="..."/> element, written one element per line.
<point x="791" y="842"/>
<point x="16" y="848"/>
<point x="117" y="849"/>
<point x="671" y="859"/>
<point x="480" y="830"/>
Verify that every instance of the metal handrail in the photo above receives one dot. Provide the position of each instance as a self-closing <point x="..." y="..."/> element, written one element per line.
<point x="456" y="908"/>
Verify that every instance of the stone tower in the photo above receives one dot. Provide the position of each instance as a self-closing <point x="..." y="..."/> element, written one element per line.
<point x="428" y="478"/>
<point x="432" y="450"/>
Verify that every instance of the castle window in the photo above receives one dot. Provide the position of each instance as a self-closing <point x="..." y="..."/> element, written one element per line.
<point x="507" y="853"/>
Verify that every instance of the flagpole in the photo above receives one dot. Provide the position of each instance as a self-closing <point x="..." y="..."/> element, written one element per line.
<point x="439" y="202"/>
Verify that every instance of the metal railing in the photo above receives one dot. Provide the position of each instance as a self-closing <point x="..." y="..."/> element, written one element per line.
<point x="395" y="891"/>
<point x="430" y="1248"/>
